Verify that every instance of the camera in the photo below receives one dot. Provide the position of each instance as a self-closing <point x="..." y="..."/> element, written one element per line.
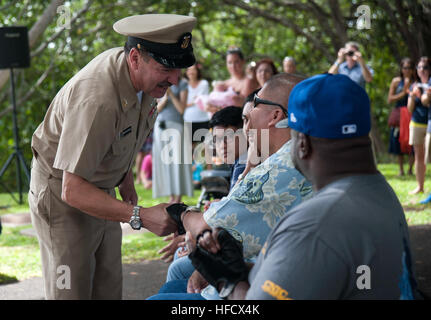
<point x="350" y="53"/>
<point x="423" y="86"/>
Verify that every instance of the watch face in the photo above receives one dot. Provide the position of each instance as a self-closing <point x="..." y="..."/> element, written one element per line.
<point x="135" y="224"/>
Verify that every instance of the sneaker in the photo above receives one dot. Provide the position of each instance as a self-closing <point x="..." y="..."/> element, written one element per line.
<point x="427" y="200"/>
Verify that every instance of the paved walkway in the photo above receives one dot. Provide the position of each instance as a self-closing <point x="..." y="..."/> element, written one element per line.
<point x="140" y="281"/>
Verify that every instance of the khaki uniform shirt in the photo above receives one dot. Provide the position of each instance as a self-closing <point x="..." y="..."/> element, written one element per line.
<point x="95" y="125"/>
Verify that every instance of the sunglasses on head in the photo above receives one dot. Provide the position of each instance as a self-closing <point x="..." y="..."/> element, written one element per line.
<point x="257" y="101"/>
<point x="233" y="50"/>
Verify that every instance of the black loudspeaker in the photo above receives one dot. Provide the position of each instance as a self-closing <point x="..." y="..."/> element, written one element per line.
<point x="15" y="53"/>
<point x="14" y="48"/>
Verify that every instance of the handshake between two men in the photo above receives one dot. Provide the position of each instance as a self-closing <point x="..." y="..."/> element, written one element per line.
<point x="214" y="253"/>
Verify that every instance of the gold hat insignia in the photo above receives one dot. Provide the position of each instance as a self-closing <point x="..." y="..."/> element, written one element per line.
<point x="186" y="41"/>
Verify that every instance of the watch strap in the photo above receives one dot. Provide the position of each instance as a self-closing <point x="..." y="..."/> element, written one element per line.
<point x="136" y="217"/>
<point x="136" y="210"/>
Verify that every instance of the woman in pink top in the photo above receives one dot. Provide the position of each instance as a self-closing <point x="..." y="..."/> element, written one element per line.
<point x="238" y="80"/>
<point x="147" y="171"/>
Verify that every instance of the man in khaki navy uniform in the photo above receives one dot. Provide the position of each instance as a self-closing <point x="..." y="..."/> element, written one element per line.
<point x="86" y="146"/>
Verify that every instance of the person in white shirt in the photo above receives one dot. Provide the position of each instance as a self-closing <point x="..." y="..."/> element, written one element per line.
<point x="196" y="87"/>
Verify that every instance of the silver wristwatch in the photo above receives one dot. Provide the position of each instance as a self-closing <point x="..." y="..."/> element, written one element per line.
<point x="135" y="221"/>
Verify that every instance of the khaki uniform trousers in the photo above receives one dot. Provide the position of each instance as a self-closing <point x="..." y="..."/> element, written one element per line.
<point x="81" y="255"/>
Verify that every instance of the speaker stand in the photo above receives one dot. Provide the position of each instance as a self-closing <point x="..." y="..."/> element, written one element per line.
<point x="17" y="154"/>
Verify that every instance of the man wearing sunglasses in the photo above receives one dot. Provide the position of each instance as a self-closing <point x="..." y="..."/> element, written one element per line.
<point x="258" y="101"/>
<point x="257" y="115"/>
<point x="263" y="196"/>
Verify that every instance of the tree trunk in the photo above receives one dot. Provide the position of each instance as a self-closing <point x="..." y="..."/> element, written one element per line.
<point x="376" y="138"/>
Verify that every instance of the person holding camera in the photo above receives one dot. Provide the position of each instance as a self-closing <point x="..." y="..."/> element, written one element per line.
<point x="418" y="105"/>
<point x="354" y="67"/>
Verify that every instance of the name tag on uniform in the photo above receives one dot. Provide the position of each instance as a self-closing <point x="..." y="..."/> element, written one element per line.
<point x="125" y="132"/>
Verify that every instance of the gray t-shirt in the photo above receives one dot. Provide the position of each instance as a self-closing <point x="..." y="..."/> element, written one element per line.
<point x="169" y="112"/>
<point x="322" y="248"/>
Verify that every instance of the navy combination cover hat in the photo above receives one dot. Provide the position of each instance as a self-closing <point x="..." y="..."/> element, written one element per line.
<point x="166" y="37"/>
<point x="329" y="106"/>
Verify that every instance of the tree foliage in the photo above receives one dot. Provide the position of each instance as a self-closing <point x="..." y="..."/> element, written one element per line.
<point x="311" y="31"/>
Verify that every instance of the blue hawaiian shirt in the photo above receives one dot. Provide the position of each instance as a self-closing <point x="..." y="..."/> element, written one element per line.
<point x="257" y="203"/>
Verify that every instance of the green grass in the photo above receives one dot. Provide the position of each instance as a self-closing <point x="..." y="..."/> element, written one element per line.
<point x="9" y="205"/>
<point x="416" y="213"/>
<point x="19" y="254"/>
<point x="20" y="257"/>
<point x="138" y="247"/>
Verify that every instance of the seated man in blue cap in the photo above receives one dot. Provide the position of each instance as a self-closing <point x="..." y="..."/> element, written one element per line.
<point x="350" y="241"/>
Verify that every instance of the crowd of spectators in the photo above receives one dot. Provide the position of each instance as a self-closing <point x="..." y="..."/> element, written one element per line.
<point x="306" y="150"/>
<point x="191" y="105"/>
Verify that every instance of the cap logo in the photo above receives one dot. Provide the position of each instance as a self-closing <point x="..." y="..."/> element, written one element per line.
<point x="186" y="41"/>
<point x="349" y="129"/>
<point x="293" y="118"/>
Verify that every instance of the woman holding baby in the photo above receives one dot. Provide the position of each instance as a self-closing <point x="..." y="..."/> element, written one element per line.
<point x="238" y="86"/>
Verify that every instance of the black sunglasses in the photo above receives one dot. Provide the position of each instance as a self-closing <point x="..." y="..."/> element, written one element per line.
<point x="257" y="101"/>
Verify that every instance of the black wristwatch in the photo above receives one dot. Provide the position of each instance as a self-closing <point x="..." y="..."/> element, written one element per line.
<point x="135" y="221"/>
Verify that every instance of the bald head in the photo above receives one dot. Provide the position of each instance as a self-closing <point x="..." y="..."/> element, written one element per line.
<point x="289" y="65"/>
<point x="280" y="86"/>
<point x="266" y="115"/>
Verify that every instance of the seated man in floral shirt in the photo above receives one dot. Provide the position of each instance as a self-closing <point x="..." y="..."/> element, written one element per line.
<point x="258" y="201"/>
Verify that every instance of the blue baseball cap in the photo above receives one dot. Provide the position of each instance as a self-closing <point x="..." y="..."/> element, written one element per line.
<point x="329" y="106"/>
